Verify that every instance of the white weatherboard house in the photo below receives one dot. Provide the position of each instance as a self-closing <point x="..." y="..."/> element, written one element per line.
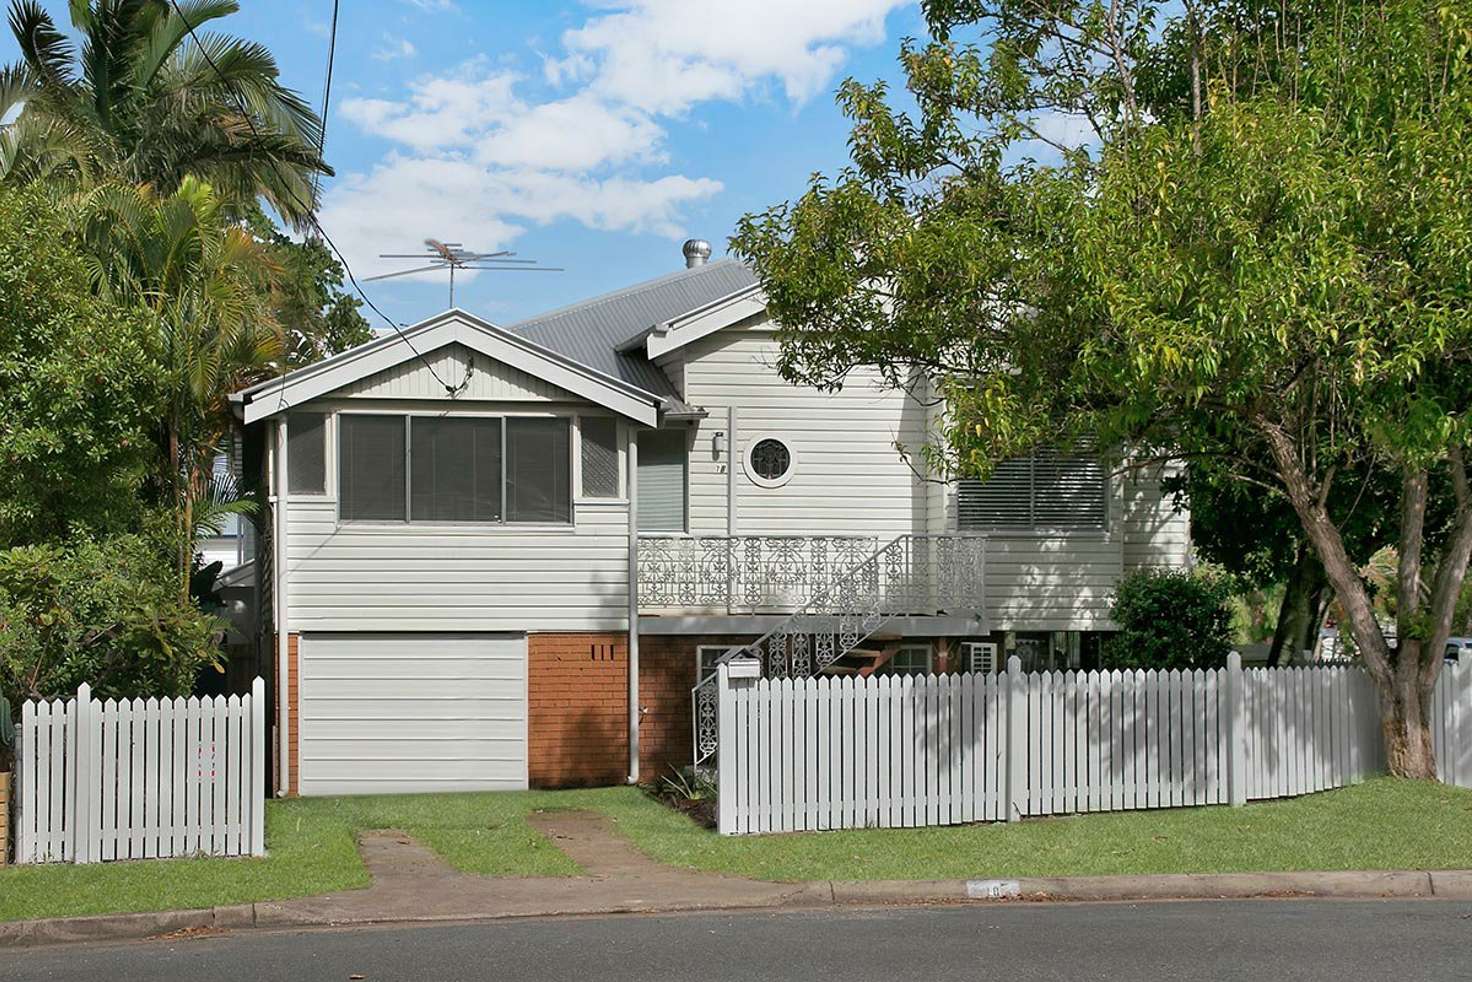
<point x="504" y="556"/>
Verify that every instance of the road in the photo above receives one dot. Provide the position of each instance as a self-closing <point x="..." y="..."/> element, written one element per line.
<point x="1281" y="940"/>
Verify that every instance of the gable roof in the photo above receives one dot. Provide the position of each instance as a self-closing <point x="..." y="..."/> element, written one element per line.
<point x="594" y="331"/>
<point x="280" y="394"/>
<point x="673" y="334"/>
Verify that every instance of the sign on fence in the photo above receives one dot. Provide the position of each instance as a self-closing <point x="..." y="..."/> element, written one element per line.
<point x="140" y="778"/>
<point x="846" y="752"/>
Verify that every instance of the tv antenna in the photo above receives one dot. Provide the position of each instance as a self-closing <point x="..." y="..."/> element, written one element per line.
<point x="452" y="256"/>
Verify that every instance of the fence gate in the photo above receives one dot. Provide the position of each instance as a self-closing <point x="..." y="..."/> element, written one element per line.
<point x="140" y="778"/>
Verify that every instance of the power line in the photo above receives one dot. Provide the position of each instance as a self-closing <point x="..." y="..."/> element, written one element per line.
<point x="308" y="211"/>
<point x="326" y="98"/>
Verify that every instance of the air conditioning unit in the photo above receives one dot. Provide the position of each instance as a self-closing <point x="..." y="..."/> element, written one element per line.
<point x="979" y="656"/>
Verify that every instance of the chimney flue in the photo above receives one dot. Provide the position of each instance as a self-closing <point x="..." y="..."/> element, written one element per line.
<point x="696" y="251"/>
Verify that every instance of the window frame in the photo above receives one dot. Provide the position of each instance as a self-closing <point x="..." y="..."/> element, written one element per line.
<point x="684" y="529"/>
<point x="700" y="652"/>
<point x="503" y="525"/>
<point x="329" y="447"/>
<point x="1033" y="530"/>
<point x="911" y="647"/>
<point x="769" y="483"/>
<point x="620" y="447"/>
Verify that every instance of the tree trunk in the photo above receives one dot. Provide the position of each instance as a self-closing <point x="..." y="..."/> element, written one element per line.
<point x="1405" y="725"/>
<point x="1297" y="615"/>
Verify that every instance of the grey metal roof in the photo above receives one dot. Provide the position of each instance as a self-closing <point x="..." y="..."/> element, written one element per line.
<point x="593" y="330"/>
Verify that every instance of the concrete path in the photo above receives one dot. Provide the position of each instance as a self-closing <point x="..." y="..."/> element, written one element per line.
<point x="411" y="883"/>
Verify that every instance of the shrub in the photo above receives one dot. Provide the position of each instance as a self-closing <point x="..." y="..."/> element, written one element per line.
<point x="1170" y="619"/>
<point x="106" y="612"/>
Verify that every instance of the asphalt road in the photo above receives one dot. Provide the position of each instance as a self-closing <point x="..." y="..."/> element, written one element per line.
<point x="1271" y="939"/>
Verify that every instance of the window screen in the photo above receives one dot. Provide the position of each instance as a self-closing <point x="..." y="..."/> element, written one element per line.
<point x="370" y="467"/>
<point x="600" y="457"/>
<point x="306" y="453"/>
<point x="662" y="481"/>
<point x="454" y="469"/>
<point x="1045" y="490"/>
<point x="538" y="466"/>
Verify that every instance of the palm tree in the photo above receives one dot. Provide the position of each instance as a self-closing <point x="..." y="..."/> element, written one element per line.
<point x="206" y="280"/>
<point x="141" y="102"/>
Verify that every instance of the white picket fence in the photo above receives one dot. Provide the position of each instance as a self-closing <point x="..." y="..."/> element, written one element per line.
<point x="140" y="778"/>
<point x="1451" y="724"/>
<point x="845" y="752"/>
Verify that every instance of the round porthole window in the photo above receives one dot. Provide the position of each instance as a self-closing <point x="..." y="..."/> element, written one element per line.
<point x="769" y="462"/>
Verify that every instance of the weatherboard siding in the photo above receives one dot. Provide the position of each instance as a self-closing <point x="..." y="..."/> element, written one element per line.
<point x="479" y="377"/>
<point x="848" y="477"/>
<point x="444" y="578"/>
<point x="1156" y="534"/>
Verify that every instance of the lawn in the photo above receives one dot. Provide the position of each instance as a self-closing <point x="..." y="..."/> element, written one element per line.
<point x="1382" y="824"/>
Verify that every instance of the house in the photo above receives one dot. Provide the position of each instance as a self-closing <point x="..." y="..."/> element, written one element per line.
<point x="504" y="556"/>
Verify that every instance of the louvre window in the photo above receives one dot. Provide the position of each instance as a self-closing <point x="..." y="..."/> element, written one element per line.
<point x="306" y="453"/>
<point x="662" y="467"/>
<point x="538" y="470"/>
<point x="455" y="469"/>
<point x="600" y="457"/>
<point x="484" y="470"/>
<point x="371" y="471"/>
<point x="1047" y="490"/>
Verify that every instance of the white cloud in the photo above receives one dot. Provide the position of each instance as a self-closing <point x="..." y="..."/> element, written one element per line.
<point x="476" y="157"/>
<point x="1064" y="129"/>
<point x="394" y="48"/>
<point x="441" y="112"/>
<point x="406" y="198"/>
<point x="666" y="55"/>
<point x="577" y="134"/>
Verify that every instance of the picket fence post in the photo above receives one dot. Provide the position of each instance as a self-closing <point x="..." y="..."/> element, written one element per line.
<point x="1236" y="732"/>
<point x="258" y="752"/>
<point x="725" y="757"/>
<point x="1016" y="740"/>
<point x="81" y="811"/>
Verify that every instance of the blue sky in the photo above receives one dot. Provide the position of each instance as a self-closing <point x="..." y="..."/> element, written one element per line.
<point x="595" y="136"/>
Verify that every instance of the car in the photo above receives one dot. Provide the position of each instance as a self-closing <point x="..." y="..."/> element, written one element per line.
<point x="1456" y="647"/>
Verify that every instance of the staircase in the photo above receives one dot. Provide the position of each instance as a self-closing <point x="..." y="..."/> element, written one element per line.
<point x="909" y="576"/>
<point x="863" y="662"/>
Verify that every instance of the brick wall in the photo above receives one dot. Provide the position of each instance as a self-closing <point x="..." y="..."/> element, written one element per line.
<point x="666" y="675"/>
<point x="578" y="687"/>
<point x="579" y="709"/>
<point x="292" y="715"/>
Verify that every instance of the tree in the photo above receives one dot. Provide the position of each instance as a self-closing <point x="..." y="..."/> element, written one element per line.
<point x="1257" y="538"/>
<point x="1267" y="272"/>
<point x="101" y="611"/>
<point x="206" y="282"/>
<point x="143" y="103"/>
<point x="1170" y="619"/>
<point x="319" y="317"/>
<point x="80" y="383"/>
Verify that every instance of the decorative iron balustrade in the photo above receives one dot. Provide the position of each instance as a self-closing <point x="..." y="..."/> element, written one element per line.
<point x="910" y="576"/>
<point x="744" y="573"/>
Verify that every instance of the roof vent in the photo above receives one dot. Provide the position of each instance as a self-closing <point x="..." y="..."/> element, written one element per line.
<point x="696" y="251"/>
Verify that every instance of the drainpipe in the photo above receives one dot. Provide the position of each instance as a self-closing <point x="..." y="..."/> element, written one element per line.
<point x="633" y="492"/>
<point x="282" y="615"/>
<point x="732" y="526"/>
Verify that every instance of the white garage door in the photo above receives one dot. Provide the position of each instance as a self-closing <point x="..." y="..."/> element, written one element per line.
<point x="387" y="713"/>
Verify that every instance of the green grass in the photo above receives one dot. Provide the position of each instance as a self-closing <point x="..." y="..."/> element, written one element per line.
<point x="1382" y="824"/>
<point x="309" y="854"/>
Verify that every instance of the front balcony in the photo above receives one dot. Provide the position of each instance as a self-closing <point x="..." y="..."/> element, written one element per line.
<point x="753" y="575"/>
